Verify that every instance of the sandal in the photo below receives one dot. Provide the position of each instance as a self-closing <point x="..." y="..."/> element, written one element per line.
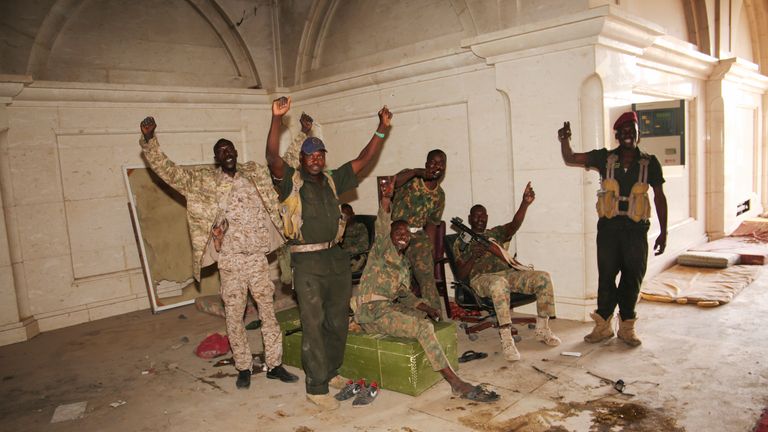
<point x="472" y="355"/>
<point x="479" y="394"/>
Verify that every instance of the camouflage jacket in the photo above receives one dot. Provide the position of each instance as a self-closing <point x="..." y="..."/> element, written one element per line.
<point x="487" y="262"/>
<point x="417" y="204"/>
<point x="387" y="273"/>
<point x="355" y="239"/>
<point x="200" y="187"/>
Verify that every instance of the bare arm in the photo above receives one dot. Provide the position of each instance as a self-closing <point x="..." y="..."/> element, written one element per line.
<point x="374" y="145"/>
<point x="407" y="174"/>
<point x="517" y="221"/>
<point x="660" y="200"/>
<point x="276" y="164"/>
<point x="569" y="157"/>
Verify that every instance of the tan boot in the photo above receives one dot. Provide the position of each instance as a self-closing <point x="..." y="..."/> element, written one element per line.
<point x="627" y="332"/>
<point x="603" y="329"/>
<point x="508" y="344"/>
<point x="544" y="333"/>
<point x="324" y="401"/>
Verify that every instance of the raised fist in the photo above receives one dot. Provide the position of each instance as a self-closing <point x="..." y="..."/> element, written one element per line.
<point x="148" y="126"/>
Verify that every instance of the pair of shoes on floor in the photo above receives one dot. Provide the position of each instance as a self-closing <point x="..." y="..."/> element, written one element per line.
<point x="279" y="372"/>
<point x="363" y="394"/>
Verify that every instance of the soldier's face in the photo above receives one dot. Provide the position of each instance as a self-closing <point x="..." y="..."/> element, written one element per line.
<point x="478" y="219"/>
<point x="225" y="156"/>
<point x="627" y="135"/>
<point x="435" y="166"/>
<point x="313" y="163"/>
<point x="400" y="236"/>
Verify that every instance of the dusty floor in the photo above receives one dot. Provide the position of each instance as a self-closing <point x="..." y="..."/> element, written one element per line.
<point x="697" y="370"/>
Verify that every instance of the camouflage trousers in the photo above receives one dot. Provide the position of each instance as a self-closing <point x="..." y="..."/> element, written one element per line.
<point x="499" y="285"/>
<point x="419" y="254"/>
<point x="402" y="321"/>
<point x="239" y="274"/>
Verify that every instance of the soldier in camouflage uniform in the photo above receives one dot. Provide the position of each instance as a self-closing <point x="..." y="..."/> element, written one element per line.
<point x="242" y="199"/>
<point x="419" y="200"/>
<point x="490" y="276"/>
<point x="355" y="240"/>
<point x="386" y="279"/>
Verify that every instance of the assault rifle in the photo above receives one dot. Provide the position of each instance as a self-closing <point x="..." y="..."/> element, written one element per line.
<point x="488" y="243"/>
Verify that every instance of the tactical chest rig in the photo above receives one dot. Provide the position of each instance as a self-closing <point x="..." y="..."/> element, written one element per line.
<point x="609" y="196"/>
<point x="290" y="211"/>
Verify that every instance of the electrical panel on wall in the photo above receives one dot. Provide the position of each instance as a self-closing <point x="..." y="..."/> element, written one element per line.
<point x="662" y="130"/>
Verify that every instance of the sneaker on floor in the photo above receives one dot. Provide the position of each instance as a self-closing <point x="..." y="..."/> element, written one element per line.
<point x="279" y="372"/>
<point x="338" y="382"/>
<point x="366" y="395"/>
<point x="350" y="390"/>
<point x="324" y="401"/>
<point x="243" y="379"/>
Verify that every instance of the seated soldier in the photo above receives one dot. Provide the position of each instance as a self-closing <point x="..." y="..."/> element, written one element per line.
<point x="385" y="304"/>
<point x="490" y="275"/>
<point x="355" y="240"/>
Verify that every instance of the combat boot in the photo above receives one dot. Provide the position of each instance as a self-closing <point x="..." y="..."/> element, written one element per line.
<point x="508" y="344"/>
<point x="627" y="332"/>
<point x="544" y="333"/>
<point x="603" y="329"/>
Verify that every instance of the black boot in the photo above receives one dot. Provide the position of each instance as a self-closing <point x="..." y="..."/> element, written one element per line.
<point x="279" y="372"/>
<point x="243" y="379"/>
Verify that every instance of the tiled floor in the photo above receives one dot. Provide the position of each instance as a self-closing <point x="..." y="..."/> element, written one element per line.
<point x="697" y="370"/>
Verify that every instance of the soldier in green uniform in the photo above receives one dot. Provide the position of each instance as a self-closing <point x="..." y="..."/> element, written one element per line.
<point x="624" y="211"/>
<point x="355" y="240"/>
<point x="242" y="197"/>
<point x="491" y="276"/>
<point x="386" y="305"/>
<point x="419" y="200"/>
<point x="322" y="278"/>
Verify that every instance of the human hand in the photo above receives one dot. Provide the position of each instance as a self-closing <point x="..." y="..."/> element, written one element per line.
<point x="661" y="244"/>
<point x="528" y="194"/>
<point x="387" y="186"/>
<point x="564" y="133"/>
<point x="280" y="106"/>
<point x="385" y="117"/>
<point x="431" y="312"/>
<point x="148" y="126"/>
<point x="306" y="123"/>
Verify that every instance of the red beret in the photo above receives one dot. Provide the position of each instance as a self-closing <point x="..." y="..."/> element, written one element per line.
<point x="627" y="116"/>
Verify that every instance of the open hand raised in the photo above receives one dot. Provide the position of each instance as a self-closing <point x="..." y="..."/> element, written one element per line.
<point x="280" y="106"/>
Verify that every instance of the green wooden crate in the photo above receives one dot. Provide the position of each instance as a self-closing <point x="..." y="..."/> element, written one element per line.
<point x="397" y="364"/>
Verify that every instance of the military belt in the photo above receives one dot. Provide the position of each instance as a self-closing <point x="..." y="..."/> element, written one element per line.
<point x="312" y="247"/>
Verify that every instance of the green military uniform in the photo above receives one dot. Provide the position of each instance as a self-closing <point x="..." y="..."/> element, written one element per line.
<point x="622" y="244"/>
<point x="387" y="278"/>
<point x="355" y="243"/>
<point x="492" y="277"/>
<point x="416" y="204"/>
<point x="322" y="279"/>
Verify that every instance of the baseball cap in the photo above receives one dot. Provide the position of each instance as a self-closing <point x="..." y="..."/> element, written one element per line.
<point x="312" y="144"/>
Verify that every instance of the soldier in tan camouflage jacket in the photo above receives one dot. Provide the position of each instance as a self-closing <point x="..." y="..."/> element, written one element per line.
<point x="386" y="305"/>
<point x="241" y="201"/>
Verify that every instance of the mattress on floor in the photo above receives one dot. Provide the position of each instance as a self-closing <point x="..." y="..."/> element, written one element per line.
<point x="705" y="287"/>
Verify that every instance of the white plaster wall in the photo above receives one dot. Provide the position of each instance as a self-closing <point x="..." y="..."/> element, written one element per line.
<point x="667" y="13"/>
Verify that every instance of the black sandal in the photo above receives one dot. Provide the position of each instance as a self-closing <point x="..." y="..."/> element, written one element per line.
<point x="479" y="394"/>
<point x="472" y="355"/>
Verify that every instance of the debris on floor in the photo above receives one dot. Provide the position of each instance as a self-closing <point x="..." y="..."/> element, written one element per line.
<point x="117" y="403"/>
<point x="67" y="412"/>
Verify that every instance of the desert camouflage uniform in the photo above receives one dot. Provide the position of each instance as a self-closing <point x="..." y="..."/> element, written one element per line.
<point x="203" y="192"/>
<point x="491" y="277"/>
<point x="251" y="205"/>
<point x="387" y="275"/>
<point x="355" y="242"/>
<point x="419" y="206"/>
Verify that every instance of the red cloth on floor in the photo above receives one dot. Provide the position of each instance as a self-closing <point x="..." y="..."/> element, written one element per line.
<point x="458" y="311"/>
<point x="213" y="346"/>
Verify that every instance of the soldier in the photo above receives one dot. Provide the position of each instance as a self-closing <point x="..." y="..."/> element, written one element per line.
<point x="419" y="200"/>
<point x="386" y="279"/>
<point x="322" y="277"/>
<point x="232" y="208"/>
<point x="491" y="276"/>
<point x="355" y="240"/>
<point x="622" y="230"/>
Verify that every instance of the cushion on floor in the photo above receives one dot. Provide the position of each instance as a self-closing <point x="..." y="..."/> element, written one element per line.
<point x="708" y="259"/>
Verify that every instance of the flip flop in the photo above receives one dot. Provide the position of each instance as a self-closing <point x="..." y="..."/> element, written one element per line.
<point x="472" y="355"/>
<point x="479" y="394"/>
